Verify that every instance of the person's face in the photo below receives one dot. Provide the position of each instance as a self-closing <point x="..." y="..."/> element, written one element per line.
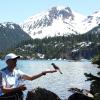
<point x="12" y="63"/>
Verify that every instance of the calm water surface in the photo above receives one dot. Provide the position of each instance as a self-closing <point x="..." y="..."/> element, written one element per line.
<point x="73" y="75"/>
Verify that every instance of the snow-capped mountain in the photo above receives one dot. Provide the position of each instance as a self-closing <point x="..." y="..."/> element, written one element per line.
<point x="59" y="21"/>
<point x="91" y="21"/>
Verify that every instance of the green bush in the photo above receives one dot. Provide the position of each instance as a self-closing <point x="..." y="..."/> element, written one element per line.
<point x="96" y="60"/>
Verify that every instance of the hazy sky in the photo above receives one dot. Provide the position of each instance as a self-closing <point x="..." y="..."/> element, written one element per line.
<point x="19" y="10"/>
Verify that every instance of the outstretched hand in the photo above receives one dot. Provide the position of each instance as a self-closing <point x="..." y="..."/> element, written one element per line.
<point x="49" y="71"/>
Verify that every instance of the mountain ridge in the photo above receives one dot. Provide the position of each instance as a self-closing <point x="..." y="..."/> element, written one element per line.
<point x="59" y="21"/>
<point x="10" y="35"/>
<point x="76" y="47"/>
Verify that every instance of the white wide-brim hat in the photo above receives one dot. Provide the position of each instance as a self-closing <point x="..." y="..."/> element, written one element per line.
<point x="11" y="56"/>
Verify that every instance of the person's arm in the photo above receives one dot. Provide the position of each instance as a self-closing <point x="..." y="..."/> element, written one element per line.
<point x="33" y="77"/>
<point x="9" y="90"/>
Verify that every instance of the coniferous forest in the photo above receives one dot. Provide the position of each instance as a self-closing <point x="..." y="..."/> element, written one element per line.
<point x="75" y="47"/>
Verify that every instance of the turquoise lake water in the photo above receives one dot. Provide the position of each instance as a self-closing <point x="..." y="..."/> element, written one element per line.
<point x="73" y="75"/>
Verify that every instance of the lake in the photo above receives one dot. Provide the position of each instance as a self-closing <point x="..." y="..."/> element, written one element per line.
<point x="73" y="75"/>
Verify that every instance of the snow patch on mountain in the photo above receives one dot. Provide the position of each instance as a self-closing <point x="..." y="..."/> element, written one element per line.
<point x="92" y="21"/>
<point x="59" y="21"/>
<point x="10" y="25"/>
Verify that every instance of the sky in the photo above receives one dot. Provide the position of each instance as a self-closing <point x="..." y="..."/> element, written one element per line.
<point x="19" y="10"/>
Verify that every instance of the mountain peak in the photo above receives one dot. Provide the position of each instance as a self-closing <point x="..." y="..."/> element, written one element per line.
<point x="57" y="21"/>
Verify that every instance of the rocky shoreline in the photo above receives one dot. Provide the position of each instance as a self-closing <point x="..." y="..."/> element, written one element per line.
<point x="95" y="85"/>
<point x="78" y="94"/>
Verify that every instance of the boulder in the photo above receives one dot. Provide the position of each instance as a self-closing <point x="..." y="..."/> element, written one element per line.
<point x="79" y="96"/>
<point x="41" y="94"/>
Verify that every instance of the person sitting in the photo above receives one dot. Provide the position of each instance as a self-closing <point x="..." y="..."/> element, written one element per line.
<point x="11" y="78"/>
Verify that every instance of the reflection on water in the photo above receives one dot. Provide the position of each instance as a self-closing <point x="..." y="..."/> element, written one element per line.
<point x="73" y="75"/>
